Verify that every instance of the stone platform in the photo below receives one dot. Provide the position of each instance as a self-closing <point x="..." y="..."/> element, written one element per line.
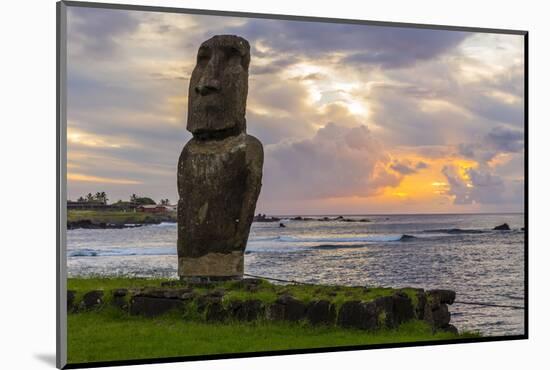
<point x="255" y="299"/>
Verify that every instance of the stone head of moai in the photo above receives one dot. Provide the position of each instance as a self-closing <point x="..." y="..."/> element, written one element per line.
<point x="218" y="88"/>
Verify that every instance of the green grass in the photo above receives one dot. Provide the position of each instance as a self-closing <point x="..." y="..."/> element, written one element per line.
<point x="267" y="292"/>
<point x="110" y="334"/>
<point x="102" y="283"/>
<point x="115" y="217"/>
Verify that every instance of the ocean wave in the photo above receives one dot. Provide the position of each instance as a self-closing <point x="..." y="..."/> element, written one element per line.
<point x="338" y="246"/>
<point x="355" y="239"/>
<point x="457" y="231"/>
<point x="165" y="224"/>
<point x="89" y="252"/>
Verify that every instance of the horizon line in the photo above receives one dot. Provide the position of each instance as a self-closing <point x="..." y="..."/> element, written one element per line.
<point x="395" y="214"/>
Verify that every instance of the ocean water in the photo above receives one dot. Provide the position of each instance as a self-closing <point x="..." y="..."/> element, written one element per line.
<point x="459" y="252"/>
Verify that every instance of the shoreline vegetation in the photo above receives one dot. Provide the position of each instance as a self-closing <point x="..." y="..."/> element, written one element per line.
<point x="133" y="318"/>
<point x="93" y="212"/>
<point x="93" y="219"/>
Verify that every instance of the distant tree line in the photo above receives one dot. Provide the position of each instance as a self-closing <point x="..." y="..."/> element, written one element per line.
<point x="135" y="200"/>
<point x="99" y="197"/>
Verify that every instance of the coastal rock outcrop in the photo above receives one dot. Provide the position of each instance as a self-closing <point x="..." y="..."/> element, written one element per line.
<point x="504" y="227"/>
<point x="220" y="168"/>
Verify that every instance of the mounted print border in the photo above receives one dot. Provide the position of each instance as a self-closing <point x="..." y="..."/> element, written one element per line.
<point x="217" y="278"/>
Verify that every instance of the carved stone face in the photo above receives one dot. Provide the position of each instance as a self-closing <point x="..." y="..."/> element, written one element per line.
<point x="218" y="87"/>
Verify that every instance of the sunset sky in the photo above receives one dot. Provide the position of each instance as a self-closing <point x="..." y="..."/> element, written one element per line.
<point x="354" y="119"/>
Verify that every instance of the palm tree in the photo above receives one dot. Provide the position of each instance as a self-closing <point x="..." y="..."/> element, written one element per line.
<point x="164" y="202"/>
<point x="97" y="197"/>
<point x="81" y="199"/>
<point x="133" y="198"/>
<point x="89" y="197"/>
<point x="104" y="197"/>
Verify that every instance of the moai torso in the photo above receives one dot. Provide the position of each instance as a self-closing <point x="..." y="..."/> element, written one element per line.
<point x="220" y="169"/>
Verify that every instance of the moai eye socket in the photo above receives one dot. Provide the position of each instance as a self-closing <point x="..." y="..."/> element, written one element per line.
<point x="233" y="55"/>
<point x="203" y="56"/>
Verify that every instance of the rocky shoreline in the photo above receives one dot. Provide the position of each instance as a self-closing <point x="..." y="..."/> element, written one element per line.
<point x="88" y="224"/>
<point x="263" y="218"/>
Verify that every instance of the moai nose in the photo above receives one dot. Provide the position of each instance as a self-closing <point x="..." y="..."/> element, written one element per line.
<point x="209" y="82"/>
<point x="208" y="87"/>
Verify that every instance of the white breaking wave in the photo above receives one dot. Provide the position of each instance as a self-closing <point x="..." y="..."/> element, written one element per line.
<point x="354" y="239"/>
<point x="165" y="224"/>
<point x="88" y="252"/>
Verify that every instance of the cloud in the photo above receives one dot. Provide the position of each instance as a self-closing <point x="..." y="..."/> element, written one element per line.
<point x="314" y="89"/>
<point x="481" y="186"/>
<point x="498" y="140"/>
<point x="95" y="31"/>
<point x="389" y="47"/>
<point x="406" y="167"/>
<point x="421" y="165"/>
<point x="337" y="162"/>
<point x="403" y="168"/>
<point x="103" y="180"/>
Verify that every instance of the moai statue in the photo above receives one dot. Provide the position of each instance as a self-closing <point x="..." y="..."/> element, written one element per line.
<point x="220" y="168"/>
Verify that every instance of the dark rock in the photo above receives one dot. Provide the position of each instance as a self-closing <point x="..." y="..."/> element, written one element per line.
<point x="92" y="299"/>
<point x="217" y="293"/>
<point x="88" y="224"/>
<point x="216" y="312"/>
<point x="287" y="308"/>
<point x="356" y="314"/>
<point x="197" y="282"/>
<point x="71" y="307"/>
<point x="171" y="283"/>
<point x="188" y="296"/>
<point x="264" y="218"/>
<point x="120" y="298"/>
<point x="206" y="300"/>
<point x="220" y="168"/>
<point x="248" y="310"/>
<point x="153" y="306"/>
<point x="437" y="314"/>
<point x="450" y="328"/>
<point x="282" y="225"/>
<point x="441" y="316"/>
<point x="442" y="295"/>
<point x="321" y="312"/>
<point x="82" y="224"/>
<point x="164" y="292"/>
<point x="121" y="292"/>
<point x="403" y="309"/>
<point x="422" y="300"/>
<point x="384" y="312"/>
<point x="502" y="227"/>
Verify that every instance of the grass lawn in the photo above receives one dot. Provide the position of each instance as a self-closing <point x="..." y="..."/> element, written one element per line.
<point x="111" y="334"/>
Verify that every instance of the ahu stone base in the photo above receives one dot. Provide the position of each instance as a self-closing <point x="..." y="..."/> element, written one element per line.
<point x="216" y="266"/>
<point x="209" y="305"/>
